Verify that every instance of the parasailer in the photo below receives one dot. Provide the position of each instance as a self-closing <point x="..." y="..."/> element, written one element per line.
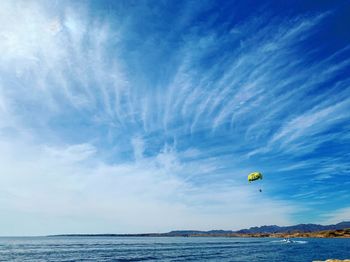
<point x="255" y="176"/>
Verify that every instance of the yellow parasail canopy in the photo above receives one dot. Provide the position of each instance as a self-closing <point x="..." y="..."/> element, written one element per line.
<point x="254" y="176"/>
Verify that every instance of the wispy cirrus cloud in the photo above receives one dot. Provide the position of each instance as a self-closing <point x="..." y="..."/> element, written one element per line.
<point x="339" y="215"/>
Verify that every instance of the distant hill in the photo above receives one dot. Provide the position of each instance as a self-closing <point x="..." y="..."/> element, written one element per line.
<point x="297" y="228"/>
<point x="305" y="228"/>
<point x="301" y="230"/>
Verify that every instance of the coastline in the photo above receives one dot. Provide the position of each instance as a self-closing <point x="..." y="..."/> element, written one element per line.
<point x="341" y="233"/>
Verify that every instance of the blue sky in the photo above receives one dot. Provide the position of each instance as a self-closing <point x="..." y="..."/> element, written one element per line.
<point x="147" y="116"/>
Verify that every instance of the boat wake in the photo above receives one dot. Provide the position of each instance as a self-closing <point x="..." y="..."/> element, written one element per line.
<point x="289" y="241"/>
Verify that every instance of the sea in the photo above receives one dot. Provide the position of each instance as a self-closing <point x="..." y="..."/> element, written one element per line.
<point x="171" y="249"/>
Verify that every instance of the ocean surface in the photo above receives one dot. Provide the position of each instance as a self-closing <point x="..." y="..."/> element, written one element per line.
<point x="170" y="249"/>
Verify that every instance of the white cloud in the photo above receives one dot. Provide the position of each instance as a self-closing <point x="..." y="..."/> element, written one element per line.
<point x="139" y="147"/>
<point x="337" y="216"/>
<point x="57" y="183"/>
<point x="311" y="122"/>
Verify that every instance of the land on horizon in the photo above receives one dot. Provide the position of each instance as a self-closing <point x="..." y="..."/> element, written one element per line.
<point x="341" y="230"/>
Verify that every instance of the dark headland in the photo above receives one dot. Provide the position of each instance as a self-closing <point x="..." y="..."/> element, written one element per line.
<point x="340" y="230"/>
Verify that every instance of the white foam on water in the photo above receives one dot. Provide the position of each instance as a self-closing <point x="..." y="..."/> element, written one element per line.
<point x="283" y="241"/>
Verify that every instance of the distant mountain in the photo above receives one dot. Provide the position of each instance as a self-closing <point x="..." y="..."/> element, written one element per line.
<point x="263" y="231"/>
<point x="296" y="228"/>
<point x="305" y="228"/>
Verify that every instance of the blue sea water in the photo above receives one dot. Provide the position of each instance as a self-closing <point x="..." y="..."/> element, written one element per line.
<point x="170" y="249"/>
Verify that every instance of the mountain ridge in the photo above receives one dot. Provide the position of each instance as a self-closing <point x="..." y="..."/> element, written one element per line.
<point x="305" y="228"/>
<point x="266" y="230"/>
<point x="299" y="227"/>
